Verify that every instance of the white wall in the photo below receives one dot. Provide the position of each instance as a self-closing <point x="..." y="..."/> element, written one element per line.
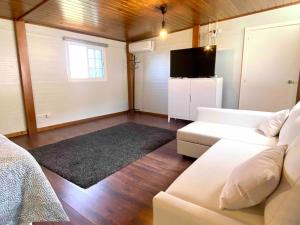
<point x="153" y="72"/>
<point x="11" y="105"/>
<point x="230" y="46"/>
<point x="67" y="101"/>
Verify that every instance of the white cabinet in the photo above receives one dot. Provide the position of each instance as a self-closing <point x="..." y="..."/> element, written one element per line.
<point x="179" y="98"/>
<point x="185" y="95"/>
<point x="206" y="93"/>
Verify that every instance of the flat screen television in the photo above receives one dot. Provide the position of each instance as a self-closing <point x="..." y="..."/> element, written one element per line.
<point x="193" y="62"/>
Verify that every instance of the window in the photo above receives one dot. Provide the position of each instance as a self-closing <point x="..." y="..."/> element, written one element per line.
<point x="85" y="62"/>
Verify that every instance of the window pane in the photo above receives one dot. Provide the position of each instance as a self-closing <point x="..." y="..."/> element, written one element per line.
<point x="91" y="53"/>
<point x="98" y="54"/>
<point x="98" y="63"/>
<point x="97" y="73"/>
<point x="77" y="61"/>
<point x="100" y="73"/>
<point x="85" y="61"/>
<point x="92" y="73"/>
<point x="92" y="63"/>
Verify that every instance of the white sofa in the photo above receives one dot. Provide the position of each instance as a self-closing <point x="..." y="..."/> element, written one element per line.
<point x="215" y="124"/>
<point x="224" y="139"/>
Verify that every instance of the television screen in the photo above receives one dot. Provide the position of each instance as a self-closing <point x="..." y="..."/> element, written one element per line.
<point x="193" y="62"/>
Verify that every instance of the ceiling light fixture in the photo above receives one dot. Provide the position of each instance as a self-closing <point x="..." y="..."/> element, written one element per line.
<point x="163" y="32"/>
<point x="213" y="33"/>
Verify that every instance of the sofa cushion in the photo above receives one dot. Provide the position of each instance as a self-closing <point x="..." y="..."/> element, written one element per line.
<point x="272" y="125"/>
<point x="282" y="207"/>
<point x="253" y="181"/>
<point x="203" y="181"/>
<point x="209" y="133"/>
<point x="291" y="128"/>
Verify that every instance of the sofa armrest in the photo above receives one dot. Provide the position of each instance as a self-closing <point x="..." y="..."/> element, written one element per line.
<point x="244" y="118"/>
<point x="170" y="210"/>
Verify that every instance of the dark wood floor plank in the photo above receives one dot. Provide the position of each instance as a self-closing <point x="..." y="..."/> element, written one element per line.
<point x="125" y="197"/>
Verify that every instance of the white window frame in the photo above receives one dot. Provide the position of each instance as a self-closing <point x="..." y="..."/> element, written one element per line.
<point x="88" y="46"/>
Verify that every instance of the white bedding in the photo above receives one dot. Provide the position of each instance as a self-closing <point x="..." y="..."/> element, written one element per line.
<point x="25" y="193"/>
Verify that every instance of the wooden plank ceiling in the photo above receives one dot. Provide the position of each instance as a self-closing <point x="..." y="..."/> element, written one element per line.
<point x="13" y="9"/>
<point x="130" y="20"/>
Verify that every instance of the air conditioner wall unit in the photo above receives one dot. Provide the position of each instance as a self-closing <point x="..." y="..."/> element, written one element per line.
<point x="141" y="46"/>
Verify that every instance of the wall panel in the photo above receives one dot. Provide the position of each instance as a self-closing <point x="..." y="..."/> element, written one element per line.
<point x="12" y="117"/>
<point x="153" y="72"/>
<point x="230" y="46"/>
<point x="63" y="100"/>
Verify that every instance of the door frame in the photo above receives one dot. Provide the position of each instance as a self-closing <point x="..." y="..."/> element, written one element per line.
<point x="245" y="50"/>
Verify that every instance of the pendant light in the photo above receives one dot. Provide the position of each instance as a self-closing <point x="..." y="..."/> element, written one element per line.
<point x="213" y="33"/>
<point x="163" y="32"/>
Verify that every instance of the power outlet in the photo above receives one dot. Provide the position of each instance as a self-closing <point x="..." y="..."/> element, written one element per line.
<point x="44" y="115"/>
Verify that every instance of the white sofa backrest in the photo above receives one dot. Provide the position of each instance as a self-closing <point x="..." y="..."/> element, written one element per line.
<point x="243" y="118"/>
<point x="291" y="128"/>
<point x="282" y="207"/>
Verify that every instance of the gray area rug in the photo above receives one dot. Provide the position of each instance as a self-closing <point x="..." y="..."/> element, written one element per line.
<point x="87" y="159"/>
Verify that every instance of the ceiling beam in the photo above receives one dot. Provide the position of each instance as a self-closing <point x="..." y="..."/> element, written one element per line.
<point x="74" y="30"/>
<point x="251" y="13"/>
<point x="25" y="76"/>
<point x="31" y="10"/>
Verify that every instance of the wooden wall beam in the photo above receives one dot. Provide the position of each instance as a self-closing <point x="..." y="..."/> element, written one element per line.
<point x="196" y="36"/>
<point x="25" y="76"/>
<point x="130" y="77"/>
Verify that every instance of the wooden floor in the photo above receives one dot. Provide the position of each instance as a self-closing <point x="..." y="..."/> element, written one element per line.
<point x="124" y="198"/>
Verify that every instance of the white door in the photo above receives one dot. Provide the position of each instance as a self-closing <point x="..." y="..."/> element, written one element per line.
<point x="179" y="98"/>
<point x="203" y="94"/>
<point x="271" y="65"/>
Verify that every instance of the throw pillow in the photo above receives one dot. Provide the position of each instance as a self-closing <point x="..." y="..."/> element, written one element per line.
<point x="272" y="125"/>
<point x="254" y="180"/>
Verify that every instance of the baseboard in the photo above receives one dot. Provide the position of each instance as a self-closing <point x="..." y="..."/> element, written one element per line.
<point x="16" y="134"/>
<point x="153" y="114"/>
<point x="76" y="122"/>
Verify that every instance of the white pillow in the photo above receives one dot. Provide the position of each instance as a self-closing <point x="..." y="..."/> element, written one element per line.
<point x="272" y="125"/>
<point x="291" y="128"/>
<point x="254" y="180"/>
